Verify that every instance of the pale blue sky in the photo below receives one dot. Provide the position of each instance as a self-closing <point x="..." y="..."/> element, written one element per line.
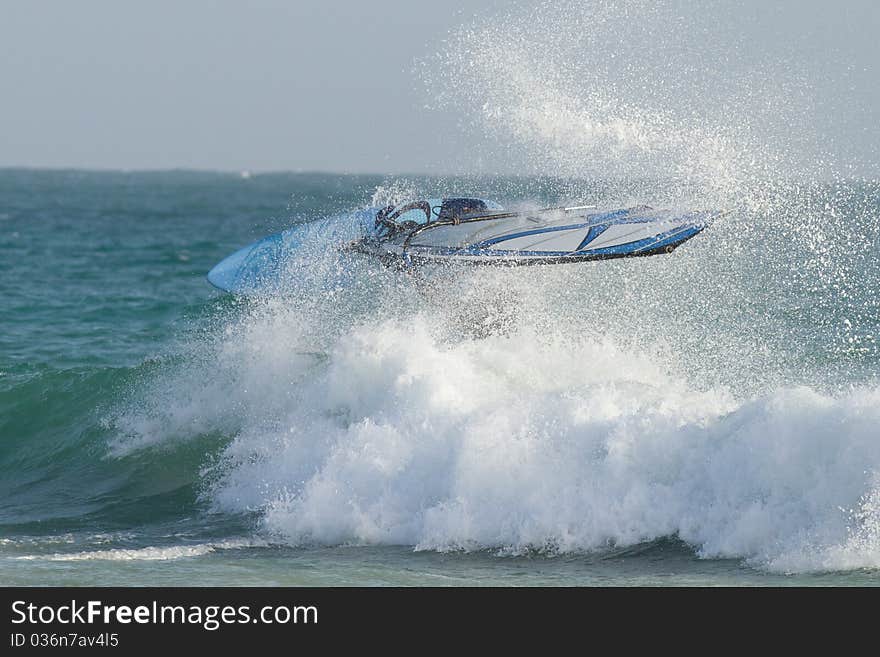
<point x="309" y="84"/>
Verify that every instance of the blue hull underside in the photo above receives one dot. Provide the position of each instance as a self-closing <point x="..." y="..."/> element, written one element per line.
<point x="501" y="239"/>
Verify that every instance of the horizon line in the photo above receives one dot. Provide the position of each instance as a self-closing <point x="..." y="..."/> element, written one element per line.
<point x="250" y="173"/>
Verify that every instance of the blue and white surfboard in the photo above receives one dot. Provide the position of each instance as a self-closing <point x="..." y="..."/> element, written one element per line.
<point x="466" y="230"/>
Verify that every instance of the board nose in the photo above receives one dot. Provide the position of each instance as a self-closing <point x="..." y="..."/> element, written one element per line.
<point x="225" y="274"/>
<point x="251" y="268"/>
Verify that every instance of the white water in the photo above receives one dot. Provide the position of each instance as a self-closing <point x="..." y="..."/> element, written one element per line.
<point x="402" y="433"/>
<point x="155" y="553"/>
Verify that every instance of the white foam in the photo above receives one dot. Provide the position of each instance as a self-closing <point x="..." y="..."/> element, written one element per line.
<point x="406" y="434"/>
<point x="146" y="553"/>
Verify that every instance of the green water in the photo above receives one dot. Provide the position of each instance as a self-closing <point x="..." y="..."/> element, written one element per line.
<point x="709" y="417"/>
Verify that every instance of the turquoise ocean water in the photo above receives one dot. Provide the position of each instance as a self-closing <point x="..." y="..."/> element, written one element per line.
<point x="707" y="417"/>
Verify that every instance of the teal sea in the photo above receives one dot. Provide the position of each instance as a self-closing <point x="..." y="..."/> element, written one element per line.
<point x="707" y="417"/>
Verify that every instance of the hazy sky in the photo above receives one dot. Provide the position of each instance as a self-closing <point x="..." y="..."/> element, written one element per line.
<point x="288" y="85"/>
